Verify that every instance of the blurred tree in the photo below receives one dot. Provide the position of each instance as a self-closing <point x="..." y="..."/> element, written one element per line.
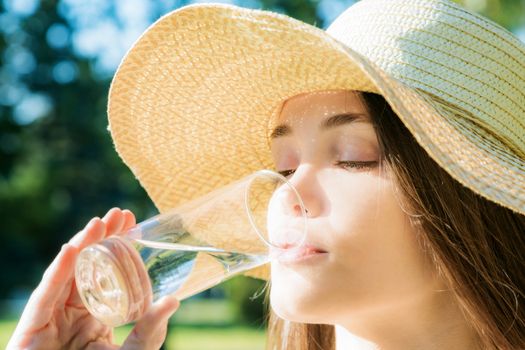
<point x="508" y="13"/>
<point x="58" y="167"/>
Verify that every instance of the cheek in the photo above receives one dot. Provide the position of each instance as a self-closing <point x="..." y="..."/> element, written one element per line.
<point x="361" y="204"/>
<point x="369" y="224"/>
<point x="376" y="244"/>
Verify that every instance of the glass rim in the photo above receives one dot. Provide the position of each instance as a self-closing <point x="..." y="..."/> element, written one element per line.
<point x="284" y="180"/>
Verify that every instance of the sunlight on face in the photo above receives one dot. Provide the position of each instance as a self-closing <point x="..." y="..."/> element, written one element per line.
<point x="327" y="147"/>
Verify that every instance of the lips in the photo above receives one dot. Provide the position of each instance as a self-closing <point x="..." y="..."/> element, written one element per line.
<point x="307" y="248"/>
<point x="292" y="253"/>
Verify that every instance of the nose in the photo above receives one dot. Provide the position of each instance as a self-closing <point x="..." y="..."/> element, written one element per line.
<point x="290" y="202"/>
<point x="303" y="180"/>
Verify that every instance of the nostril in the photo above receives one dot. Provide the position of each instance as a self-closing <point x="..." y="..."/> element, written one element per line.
<point x="297" y="209"/>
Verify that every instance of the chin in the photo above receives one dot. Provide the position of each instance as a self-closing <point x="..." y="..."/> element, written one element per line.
<point x="296" y="299"/>
<point x="292" y="310"/>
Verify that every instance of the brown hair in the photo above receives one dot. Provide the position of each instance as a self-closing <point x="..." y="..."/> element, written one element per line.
<point x="477" y="245"/>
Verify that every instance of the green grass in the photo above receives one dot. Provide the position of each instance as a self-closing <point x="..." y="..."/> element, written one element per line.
<point x="208" y="338"/>
<point x="183" y="337"/>
<point x="205" y="312"/>
<point x="6" y="329"/>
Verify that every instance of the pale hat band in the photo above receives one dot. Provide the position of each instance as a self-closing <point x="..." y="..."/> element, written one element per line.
<point x="193" y="103"/>
<point x="471" y="70"/>
<point x="460" y="58"/>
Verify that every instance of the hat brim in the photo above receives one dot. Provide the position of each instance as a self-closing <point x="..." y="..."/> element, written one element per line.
<point x="193" y="103"/>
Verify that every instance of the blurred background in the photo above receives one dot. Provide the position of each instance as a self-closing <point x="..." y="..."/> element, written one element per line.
<point x="58" y="167"/>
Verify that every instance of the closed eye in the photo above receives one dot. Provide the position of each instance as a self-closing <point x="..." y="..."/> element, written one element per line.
<point x="342" y="164"/>
<point x="357" y="165"/>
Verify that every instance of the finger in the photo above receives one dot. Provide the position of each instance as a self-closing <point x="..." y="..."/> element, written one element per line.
<point x="93" y="232"/>
<point x="129" y="220"/>
<point x="114" y="220"/>
<point x="150" y="331"/>
<point x="42" y="302"/>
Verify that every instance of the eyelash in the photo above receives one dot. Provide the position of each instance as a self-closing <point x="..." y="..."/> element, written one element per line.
<point x="342" y="164"/>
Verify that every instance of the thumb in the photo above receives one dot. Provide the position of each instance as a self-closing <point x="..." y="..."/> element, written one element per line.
<point x="150" y="331"/>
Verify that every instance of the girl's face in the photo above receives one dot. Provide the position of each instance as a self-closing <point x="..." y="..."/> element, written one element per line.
<point x="327" y="147"/>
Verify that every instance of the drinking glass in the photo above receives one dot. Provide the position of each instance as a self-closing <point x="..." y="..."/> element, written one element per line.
<point x="192" y="247"/>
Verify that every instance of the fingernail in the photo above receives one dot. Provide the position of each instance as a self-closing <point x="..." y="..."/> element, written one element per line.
<point x="111" y="211"/>
<point x="92" y="222"/>
<point x="65" y="247"/>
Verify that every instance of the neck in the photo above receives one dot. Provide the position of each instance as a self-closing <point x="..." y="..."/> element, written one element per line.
<point x="428" y="321"/>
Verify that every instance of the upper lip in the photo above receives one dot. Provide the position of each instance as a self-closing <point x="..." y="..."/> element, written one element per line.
<point x="285" y="241"/>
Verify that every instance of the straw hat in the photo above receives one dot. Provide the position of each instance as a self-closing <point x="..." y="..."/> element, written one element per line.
<point x="193" y="102"/>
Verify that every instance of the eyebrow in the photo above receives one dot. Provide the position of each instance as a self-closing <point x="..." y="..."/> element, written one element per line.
<point x="329" y="123"/>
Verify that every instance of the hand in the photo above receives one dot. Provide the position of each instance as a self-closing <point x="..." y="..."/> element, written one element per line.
<point x="55" y="318"/>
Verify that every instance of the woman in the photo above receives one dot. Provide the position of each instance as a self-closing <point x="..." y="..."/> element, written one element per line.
<point x="402" y="128"/>
<point x="427" y="259"/>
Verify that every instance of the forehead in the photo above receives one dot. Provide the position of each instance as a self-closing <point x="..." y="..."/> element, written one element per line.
<point x="320" y="104"/>
<point x="321" y="110"/>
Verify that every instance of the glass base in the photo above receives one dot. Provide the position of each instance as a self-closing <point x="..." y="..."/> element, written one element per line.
<point x="112" y="282"/>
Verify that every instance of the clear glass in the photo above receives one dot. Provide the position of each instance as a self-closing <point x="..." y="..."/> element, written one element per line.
<point x="191" y="248"/>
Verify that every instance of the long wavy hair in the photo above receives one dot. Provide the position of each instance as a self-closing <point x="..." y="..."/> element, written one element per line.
<point x="477" y="245"/>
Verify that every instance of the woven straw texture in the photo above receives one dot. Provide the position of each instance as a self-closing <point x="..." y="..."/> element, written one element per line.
<point x="193" y="102"/>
